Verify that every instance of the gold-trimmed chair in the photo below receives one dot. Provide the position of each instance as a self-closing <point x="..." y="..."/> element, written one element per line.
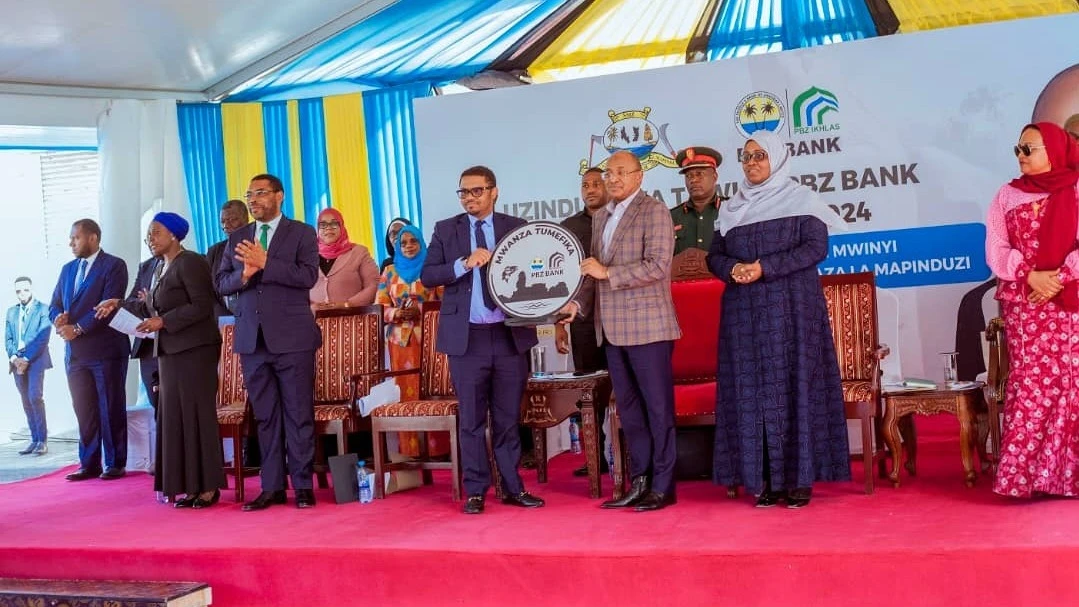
<point x="435" y="410"/>
<point x="852" y="311"/>
<point x="352" y="349"/>
<point x="997" y="381"/>
<point x="234" y="415"/>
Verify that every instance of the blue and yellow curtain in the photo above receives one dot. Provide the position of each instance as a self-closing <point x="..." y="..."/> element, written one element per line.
<point x="355" y="153"/>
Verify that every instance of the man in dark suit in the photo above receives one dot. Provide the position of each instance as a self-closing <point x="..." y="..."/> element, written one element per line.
<point x="271" y="265"/>
<point x="587" y="355"/>
<point x="26" y="337"/>
<point x="233" y="217"/>
<point x="488" y="360"/>
<point x="96" y="356"/>
<point x="143" y="348"/>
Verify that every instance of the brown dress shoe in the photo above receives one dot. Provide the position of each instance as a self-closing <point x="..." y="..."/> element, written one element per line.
<point x="111" y="474"/>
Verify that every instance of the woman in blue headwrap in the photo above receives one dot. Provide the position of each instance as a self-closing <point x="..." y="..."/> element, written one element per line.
<point x="400" y="292"/>
<point x="179" y="307"/>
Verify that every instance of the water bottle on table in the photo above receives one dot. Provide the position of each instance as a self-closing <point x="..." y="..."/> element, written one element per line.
<point x="364" y="478"/>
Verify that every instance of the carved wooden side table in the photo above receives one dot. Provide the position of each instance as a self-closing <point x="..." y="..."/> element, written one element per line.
<point x="964" y="404"/>
<point x="548" y="402"/>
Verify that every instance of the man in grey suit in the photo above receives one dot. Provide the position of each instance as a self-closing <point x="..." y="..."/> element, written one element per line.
<point x="26" y="337"/>
<point x="270" y="266"/>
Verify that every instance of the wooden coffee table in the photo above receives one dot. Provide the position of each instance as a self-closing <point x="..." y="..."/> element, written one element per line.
<point x="964" y="403"/>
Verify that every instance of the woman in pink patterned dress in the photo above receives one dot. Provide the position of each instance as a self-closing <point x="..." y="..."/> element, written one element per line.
<point x="400" y="292"/>
<point x="1031" y="245"/>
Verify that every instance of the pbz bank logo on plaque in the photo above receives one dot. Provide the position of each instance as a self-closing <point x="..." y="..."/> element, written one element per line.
<point x="534" y="271"/>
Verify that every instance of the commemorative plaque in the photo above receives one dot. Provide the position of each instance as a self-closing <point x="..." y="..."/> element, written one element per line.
<point x="534" y="271"/>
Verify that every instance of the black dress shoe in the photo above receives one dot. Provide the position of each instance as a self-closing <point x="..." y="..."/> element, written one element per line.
<point x="637" y="491"/>
<point x="265" y="500"/>
<point x="305" y="498"/>
<point x="187" y="501"/>
<point x="81" y="474"/>
<point x="200" y="503"/>
<point x="473" y="505"/>
<point x="583" y="470"/>
<point x="656" y="501"/>
<point x="799" y="498"/>
<point x="767" y="499"/>
<point x="29" y="449"/>
<point x="41" y="449"/>
<point x="111" y="474"/>
<point x="523" y="499"/>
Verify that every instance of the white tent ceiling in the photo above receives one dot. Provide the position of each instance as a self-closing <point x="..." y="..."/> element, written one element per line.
<point x="183" y="49"/>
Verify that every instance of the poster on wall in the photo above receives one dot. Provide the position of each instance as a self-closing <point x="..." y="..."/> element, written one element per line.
<point x="906" y="137"/>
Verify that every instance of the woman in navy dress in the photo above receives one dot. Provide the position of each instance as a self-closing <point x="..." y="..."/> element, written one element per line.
<point x="780" y="423"/>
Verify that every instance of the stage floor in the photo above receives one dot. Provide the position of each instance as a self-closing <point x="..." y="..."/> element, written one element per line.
<point x="930" y="542"/>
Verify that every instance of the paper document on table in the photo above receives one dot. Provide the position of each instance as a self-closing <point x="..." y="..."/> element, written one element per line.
<point x="125" y="322"/>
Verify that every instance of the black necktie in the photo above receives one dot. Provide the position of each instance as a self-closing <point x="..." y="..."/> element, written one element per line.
<point x="481" y="243"/>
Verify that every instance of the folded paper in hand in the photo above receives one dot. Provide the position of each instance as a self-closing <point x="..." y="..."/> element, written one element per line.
<point x="125" y="322"/>
<point x="381" y="394"/>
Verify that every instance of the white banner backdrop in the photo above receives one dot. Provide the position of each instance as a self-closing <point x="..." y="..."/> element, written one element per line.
<point x="908" y="137"/>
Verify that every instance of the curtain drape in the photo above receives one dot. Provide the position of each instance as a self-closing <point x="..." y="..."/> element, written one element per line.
<point x="203" y="152"/>
<point x="391" y="152"/>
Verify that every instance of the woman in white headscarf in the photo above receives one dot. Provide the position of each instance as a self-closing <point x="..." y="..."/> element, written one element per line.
<point x="780" y="424"/>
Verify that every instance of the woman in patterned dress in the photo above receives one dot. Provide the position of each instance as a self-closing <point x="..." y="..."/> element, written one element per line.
<point x="780" y="423"/>
<point x="400" y="292"/>
<point x="1031" y="239"/>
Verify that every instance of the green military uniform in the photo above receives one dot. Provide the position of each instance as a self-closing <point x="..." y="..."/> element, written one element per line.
<point x="693" y="229"/>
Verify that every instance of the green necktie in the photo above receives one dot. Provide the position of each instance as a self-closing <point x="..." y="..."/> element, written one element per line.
<point x="264" y="238"/>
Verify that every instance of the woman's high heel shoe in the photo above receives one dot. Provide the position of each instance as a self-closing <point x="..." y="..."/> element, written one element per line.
<point x="187" y="501"/>
<point x="201" y="503"/>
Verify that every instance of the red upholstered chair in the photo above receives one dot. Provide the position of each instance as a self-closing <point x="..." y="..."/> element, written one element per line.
<point x="234" y="417"/>
<point x="434" y="411"/>
<point x="352" y="347"/>
<point x="852" y="310"/>
<point x="697" y="298"/>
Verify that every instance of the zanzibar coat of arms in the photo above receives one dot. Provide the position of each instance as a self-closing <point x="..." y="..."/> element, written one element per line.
<point x="534" y="271"/>
<point x="632" y="131"/>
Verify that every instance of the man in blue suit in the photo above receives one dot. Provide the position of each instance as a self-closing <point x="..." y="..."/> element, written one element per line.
<point x="96" y="355"/>
<point x="270" y="266"/>
<point x="26" y="337"/>
<point x="488" y="360"/>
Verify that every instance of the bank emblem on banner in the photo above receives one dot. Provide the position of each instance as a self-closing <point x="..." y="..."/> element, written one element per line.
<point x="815" y="110"/>
<point x="758" y="111"/>
<point x="535" y="270"/>
<point x="631" y="131"/>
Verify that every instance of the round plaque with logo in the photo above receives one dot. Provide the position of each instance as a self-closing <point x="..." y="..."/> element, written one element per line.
<point x="534" y="271"/>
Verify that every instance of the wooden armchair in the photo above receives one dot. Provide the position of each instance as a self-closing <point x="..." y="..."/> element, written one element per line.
<point x="434" y="411"/>
<point x="852" y="310"/>
<point x="997" y="382"/>
<point x="352" y="347"/>
<point x="234" y="415"/>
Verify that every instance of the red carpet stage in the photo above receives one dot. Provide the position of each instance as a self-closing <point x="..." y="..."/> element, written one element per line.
<point x="931" y="542"/>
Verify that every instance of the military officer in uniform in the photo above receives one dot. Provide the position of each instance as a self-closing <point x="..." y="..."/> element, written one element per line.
<point x="694" y="219"/>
